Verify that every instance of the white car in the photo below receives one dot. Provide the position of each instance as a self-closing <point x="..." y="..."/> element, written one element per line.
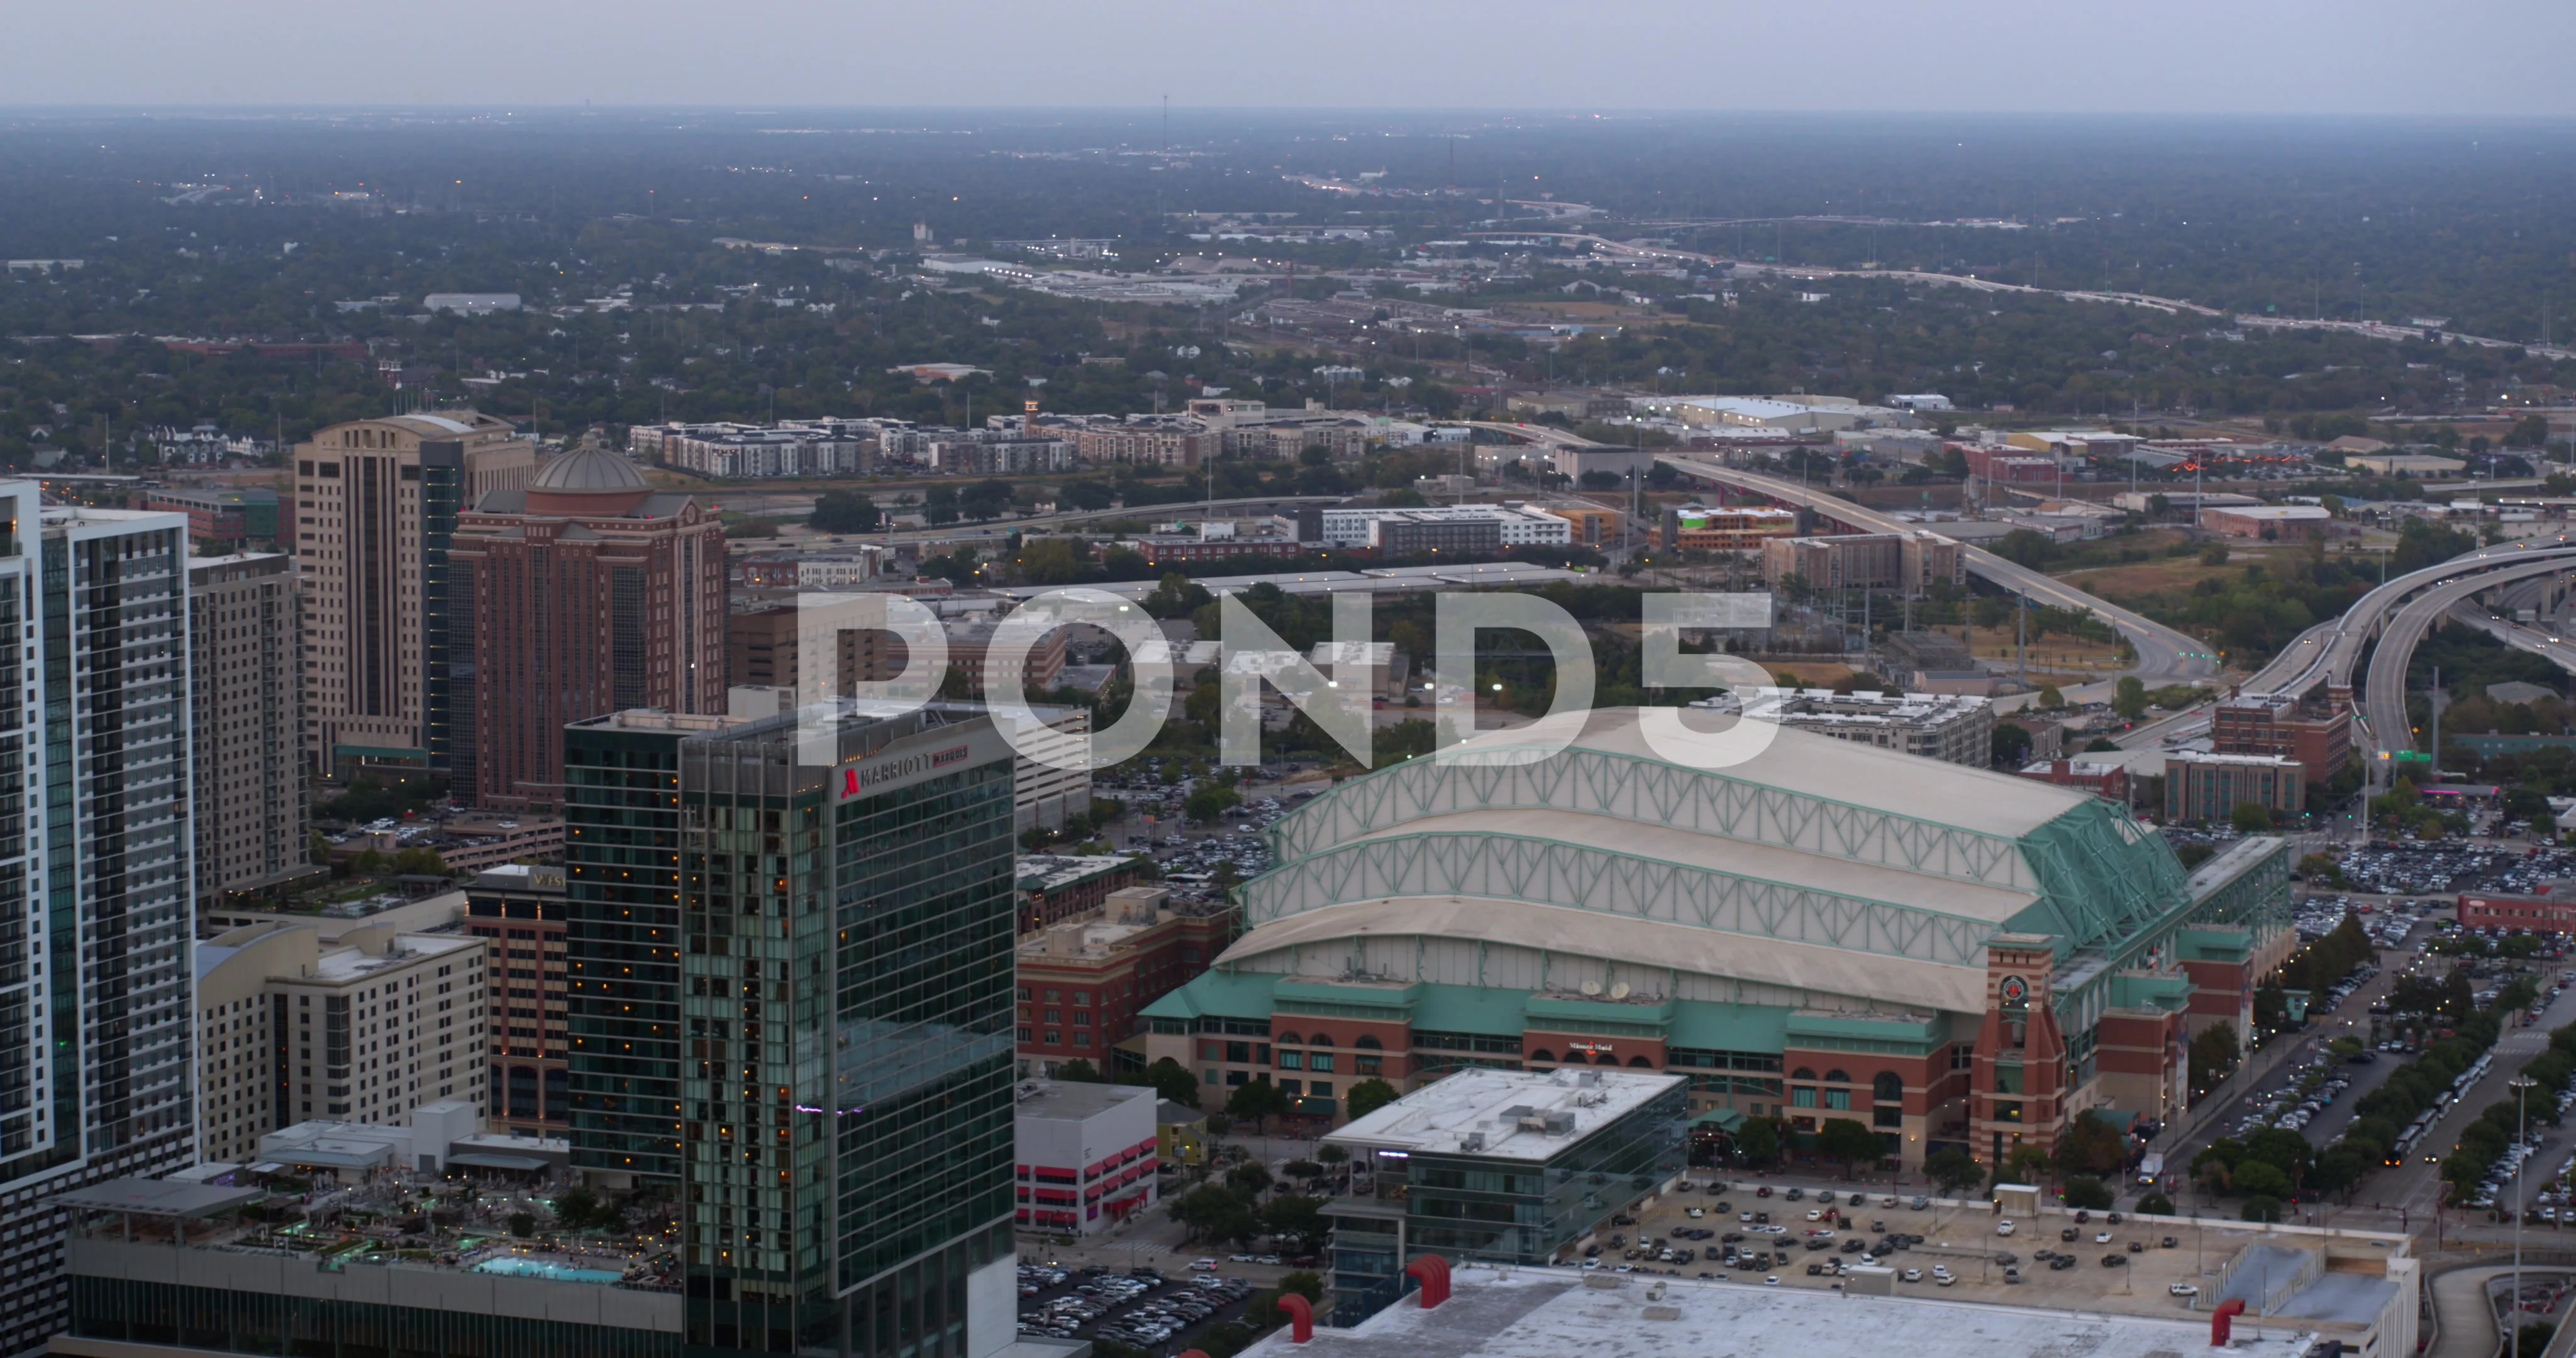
<point x="1815" y="1216"/>
<point x="2003" y="1228"/>
<point x="2184" y="1290"/>
<point x="2102" y="1238"/>
<point x="1940" y="1271"/>
<point x="1771" y="1280"/>
<point x="1913" y="1275"/>
<point x="1203" y="1265"/>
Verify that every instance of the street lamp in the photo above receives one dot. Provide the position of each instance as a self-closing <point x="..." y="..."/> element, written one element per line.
<point x="2521" y="1087"/>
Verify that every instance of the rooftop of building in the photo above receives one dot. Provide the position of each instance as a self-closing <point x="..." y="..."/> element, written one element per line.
<point x="588" y="469"/>
<point x="1543" y="1313"/>
<point x="1076" y="1100"/>
<point x="1792" y="705"/>
<point x="2277" y="512"/>
<point x="2271" y="761"/>
<point x="1056" y="871"/>
<point x="342" y="965"/>
<point x="1503" y="1114"/>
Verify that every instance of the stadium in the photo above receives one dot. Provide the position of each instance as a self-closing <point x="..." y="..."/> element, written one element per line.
<point x="1825" y="930"/>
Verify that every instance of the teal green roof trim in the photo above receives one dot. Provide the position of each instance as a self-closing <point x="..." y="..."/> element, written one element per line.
<point x="1705" y="1025"/>
<point x="1486" y="1010"/>
<point x="2131" y="991"/>
<point x="2215" y="943"/>
<point x="1391" y="997"/>
<point x="1558" y="1012"/>
<point x="1886" y="1028"/>
<point x="1227" y="994"/>
<point x="1723" y="1119"/>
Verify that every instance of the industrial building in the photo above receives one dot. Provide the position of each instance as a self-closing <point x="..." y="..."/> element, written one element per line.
<point x="1498" y="1166"/>
<point x="1404" y="532"/>
<point x="1724" y="528"/>
<point x="1906" y="562"/>
<point x="1088" y="1154"/>
<point x="2209" y="787"/>
<point x="1956" y="728"/>
<point x="1818" y="929"/>
<point x="2267" y="522"/>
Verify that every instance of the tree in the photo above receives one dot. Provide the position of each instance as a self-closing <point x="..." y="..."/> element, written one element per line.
<point x="2049" y="698"/>
<point x="1248" y="1181"/>
<point x="2026" y="1165"/>
<point x="1256" y="1102"/>
<point x="2011" y="745"/>
<point x="2087" y="1192"/>
<point x="1333" y="1155"/>
<point x="1170" y="1079"/>
<point x="523" y="1224"/>
<point x="1953" y="1169"/>
<point x="1297" y="1215"/>
<point x="576" y="1206"/>
<point x="1850" y="1141"/>
<point x="2129" y="697"/>
<point x="1303" y="1171"/>
<point x="2260" y="1178"/>
<point x="846" y="511"/>
<point x="2101" y="745"/>
<point x="2262" y="1207"/>
<point x="940" y="505"/>
<point x="1211" y="800"/>
<point x="2091" y="1146"/>
<point x="2214" y="1054"/>
<point x="2250" y="818"/>
<point x="1080" y="1072"/>
<point x="1367" y="1097"/>
<point x="1757" y="1141"/>
<point x="2156" y="1205"/>
<point x="1214" y="1213"/>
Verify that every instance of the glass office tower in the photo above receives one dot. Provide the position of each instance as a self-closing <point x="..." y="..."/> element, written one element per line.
<point x="843" y="1068"/>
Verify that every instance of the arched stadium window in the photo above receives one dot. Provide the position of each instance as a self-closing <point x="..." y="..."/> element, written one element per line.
<point x="1542" y="1054"/>
<point x="1290" y="1040"/>
<point x="1803" y="1073"/>
<point x="1641" y="1061"/>
<point x="1838" y="1077"/>
<point x="1575" y="1059"/>
<point x="1367" y="1043"/>
<point x="1320" y="1040"/>
<point x="1887" y="1088"/>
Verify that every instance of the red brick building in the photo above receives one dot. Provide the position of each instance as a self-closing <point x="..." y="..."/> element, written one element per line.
<point x="2102" y="778"/>
<point x="2531" y="914"/>
<point x="2318" y="736"/>
<point x="1085" y="981"/>
<point x="590" y="593"/>
<point x="520" y="911"/>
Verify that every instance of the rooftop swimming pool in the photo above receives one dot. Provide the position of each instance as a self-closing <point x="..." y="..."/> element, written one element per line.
<point x="513" y="1267"/>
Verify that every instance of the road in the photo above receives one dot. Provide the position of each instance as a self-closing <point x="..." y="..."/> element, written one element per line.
<point x="2165" y="656"/>
<point x="2537" y="641"/>
<point x="790" y="504"/>
<point x="2384" y="699"/>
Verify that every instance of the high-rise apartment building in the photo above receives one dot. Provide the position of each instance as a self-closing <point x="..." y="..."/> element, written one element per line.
<point x="247" y="692"/>
<point x="588" y="593"/>
<point x="837" y="924"/>
<point x="376" y="503"/>
<point x="364" y="1029"/>
<point x="97" y="1012"/>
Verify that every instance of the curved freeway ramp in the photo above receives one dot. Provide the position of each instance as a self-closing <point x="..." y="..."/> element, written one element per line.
<point x="2165" y="656"/>
<point x="2384" y="704"/>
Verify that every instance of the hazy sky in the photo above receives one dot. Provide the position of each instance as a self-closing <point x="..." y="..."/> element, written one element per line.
<point x="2465" y="57"/>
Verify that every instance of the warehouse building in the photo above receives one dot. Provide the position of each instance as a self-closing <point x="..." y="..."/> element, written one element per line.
<point x="1956" y="728"/>
<point x="1821" y="930"/>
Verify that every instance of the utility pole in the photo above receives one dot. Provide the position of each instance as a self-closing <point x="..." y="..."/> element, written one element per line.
<point x="2521" y="1086"/>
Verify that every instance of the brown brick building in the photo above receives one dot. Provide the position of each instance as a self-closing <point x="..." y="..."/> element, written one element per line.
<point x="2318" y="736"/>
<point x="1084" y="982"/>
<point x="590" y="593"/>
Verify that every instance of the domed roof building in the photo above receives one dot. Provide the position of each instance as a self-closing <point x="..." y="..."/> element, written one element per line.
<point x="1825" y="930"/>
<point x="586" y="593"/>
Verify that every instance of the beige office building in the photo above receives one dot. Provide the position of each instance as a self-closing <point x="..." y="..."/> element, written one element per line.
<point x="362" y="1030"/>
<point x="247" y="692"/>
<point x="375" y="504"/>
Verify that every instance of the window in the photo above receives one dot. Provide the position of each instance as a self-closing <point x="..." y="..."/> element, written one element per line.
<point x="1802" y="1097"/>
<point x="1239" y="1053"/>
<point x="1371" y="1065"/>
<point x="1289" y="1088"/>
<point x="1211" y="1051"/>
<point x="1887" y="1117"/>
<point x="1082" y="997"/>
<point x="1210" y="1077"/>
<point x="1838" y="1099"/>
<point x="1320" y="1040"/>
<point x="1802" y="1073"/>
<point x="1322" y="1089"/>
<point x="1054" y="1015"/>
<point x="1082" y="1039"/>
<point x="1024" y="994"/>
<point x="1055" y="1037"/>
<point x="1291" y="1040"/>
<point x="1028" y="1034"/>
<point x="1888" y="1087"/>
<point x="1320" y="1062"/>
<point x="1367" y="1043"/>
<point x="1838" y="1077"/>
<point x="1054" y="996"/>
<point x="1542" y="1054"/>
<point x="1289" y="1060"/>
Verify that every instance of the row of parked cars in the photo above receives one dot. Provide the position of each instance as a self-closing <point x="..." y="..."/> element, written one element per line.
<point x="1139" y="1308"/>
<point x="2490" y="1190"/>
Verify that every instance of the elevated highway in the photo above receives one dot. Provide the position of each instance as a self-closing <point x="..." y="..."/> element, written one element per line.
<point x="2383" y="709"/>
<point x="2165" y="656"/>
